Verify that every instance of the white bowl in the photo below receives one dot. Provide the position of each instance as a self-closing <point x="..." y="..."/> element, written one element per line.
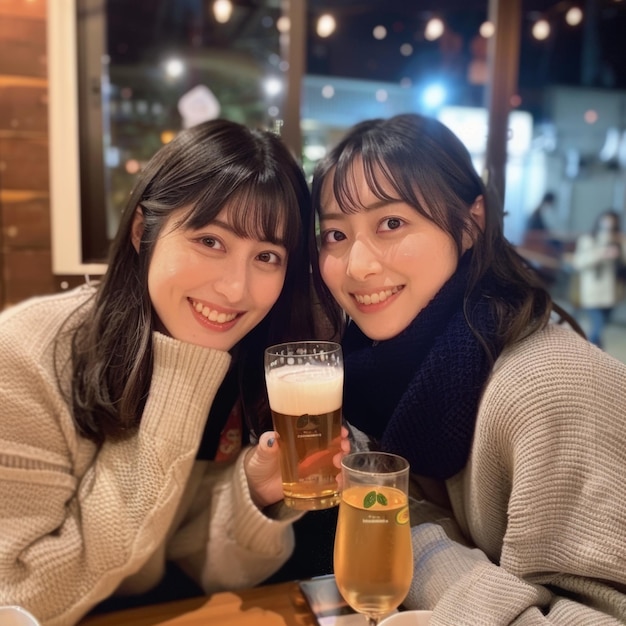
<point x="408" y="618"/>
<point x="16" y="616"/>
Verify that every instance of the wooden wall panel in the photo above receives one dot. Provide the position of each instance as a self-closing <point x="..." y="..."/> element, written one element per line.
<point x="25" y="254"/>
<point x="24" y="109"/>
<point x="27" y="273"/>
<point x="23" y="47"/>
<point x="32" y="9"/>
<point x="25" y="257"/>
<point x="24" y="163"/>
<point x="26" y="222"/>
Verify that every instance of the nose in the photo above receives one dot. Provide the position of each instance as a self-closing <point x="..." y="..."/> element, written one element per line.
<point x="233" y="283"/>
<point x="362" y="261"/>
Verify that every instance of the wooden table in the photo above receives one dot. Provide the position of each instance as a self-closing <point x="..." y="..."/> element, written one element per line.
<point x="272" y="605"/>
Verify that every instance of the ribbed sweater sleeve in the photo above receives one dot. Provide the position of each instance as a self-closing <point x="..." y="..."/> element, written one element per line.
<point x="226" y="542"/>
<point x="74" y="523"/>
<point x="543" y="496"/>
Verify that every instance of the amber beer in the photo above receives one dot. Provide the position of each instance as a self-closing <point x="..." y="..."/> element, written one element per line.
<point x="373" y="558"/>
<point x="305" y="398"/>
<point x="372" y="562"/>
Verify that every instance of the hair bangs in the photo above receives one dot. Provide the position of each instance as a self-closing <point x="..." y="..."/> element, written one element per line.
<point x="264" y="210"/>
<point x="379" y="178"/>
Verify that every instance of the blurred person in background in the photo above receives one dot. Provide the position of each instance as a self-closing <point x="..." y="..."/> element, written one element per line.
<point x="600" y="261"/>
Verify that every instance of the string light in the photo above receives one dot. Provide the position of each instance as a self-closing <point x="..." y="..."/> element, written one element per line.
<point x="434" y="29"/>
<point x="283" y="24"/>
<point x="541" y="29"/>
<point x="435" y="26"/>
<point x="326" y="25"/>
<point x="174" y="67"/>
<point x="574" y="16"/>
<point x="379" y="32"/>
<point x="222" y="10"/>
<point x="487" y="29"/>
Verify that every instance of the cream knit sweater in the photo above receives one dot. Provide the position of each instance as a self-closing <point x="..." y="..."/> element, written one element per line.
<point x="543" y="497"/>
<point x="77" y="523"/>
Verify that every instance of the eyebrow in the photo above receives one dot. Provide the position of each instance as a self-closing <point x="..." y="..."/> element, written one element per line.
<point x="278" y="241"/>
<point x="225" y="225"/>
<point x="374" y="206"/>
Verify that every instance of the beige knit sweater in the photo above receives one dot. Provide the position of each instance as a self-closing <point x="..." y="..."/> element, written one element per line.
<point x="77" y="522"/>
<point x="543" y="497"/>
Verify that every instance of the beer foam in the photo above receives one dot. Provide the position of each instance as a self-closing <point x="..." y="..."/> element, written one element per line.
<point x="305" y="389"/>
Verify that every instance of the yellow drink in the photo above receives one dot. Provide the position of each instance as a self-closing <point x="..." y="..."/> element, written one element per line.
<point x="306" y="411"/>
<point x="373" y="559"/>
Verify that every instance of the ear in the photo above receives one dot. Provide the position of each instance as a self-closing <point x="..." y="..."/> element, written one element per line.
<point x="137" y="228"/>
<point x="477" y="221"/>
<point x="477" y="212"/>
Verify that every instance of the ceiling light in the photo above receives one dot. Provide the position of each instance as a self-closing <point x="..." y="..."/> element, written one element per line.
<point x="541" y="30"/>
<point x="326" y="25"/>
<point x="222" y="10"/>
<point x="434" y="29"/>
<point x="574" y="16"/>
<point x="487" y="29"/>
<point x="379" y="32"/>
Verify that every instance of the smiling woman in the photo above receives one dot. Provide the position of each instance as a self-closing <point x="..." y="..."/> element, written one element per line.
<point x="119" y="394"/>
<point x="375" y="259"/>
<point x="457" y="359"/>
<point x="211" y="286"/>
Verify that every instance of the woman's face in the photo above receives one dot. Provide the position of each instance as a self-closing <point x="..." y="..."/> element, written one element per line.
<point x="384" y="263"/>
<point x="210" y="287"/>
<point x="607" y="224"/>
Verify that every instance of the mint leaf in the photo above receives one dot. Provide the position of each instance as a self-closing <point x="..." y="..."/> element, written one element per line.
<point x="369" y="500"/>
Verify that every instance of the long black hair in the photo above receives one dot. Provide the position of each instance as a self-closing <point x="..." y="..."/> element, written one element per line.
<point x="214" y="165"/>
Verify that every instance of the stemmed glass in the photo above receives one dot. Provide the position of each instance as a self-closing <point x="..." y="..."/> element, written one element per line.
<point x="373" y="558"/>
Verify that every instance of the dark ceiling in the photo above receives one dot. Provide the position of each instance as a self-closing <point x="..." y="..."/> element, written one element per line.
<point x="592" y="54"/>
<point x="599" y="39"/>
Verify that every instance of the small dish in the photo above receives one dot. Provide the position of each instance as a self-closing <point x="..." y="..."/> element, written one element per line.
<point x="16" y="616"/>
<point x="408" y="618"/>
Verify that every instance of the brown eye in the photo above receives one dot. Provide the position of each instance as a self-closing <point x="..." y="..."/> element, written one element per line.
<point x="391" y="223"/>
<point x="269" y="257"/>
<point x="211" y="242"/>
<point x="332" y="236"/>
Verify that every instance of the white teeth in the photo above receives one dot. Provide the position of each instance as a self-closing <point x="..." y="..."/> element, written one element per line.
<point x="213" y="315"/>
<point x="375" y="298"/>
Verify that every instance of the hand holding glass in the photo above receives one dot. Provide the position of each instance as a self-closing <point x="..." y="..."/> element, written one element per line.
<point x="305" y="386"/>
<point x="373" y="559"/>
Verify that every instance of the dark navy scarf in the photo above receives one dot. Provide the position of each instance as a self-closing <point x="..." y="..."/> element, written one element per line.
<point x="418" y="393"/>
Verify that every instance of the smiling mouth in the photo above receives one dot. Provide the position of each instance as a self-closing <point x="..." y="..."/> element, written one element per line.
<point x="212" y="315"/>
<point x="377" y="297"/>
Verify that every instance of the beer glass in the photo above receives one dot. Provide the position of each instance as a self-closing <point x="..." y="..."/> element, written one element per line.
<point x="305" y="386"/>
<point x="373" y="559"/>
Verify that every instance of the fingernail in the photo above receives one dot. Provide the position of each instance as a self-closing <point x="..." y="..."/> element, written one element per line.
<point x="270" y="442"/>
